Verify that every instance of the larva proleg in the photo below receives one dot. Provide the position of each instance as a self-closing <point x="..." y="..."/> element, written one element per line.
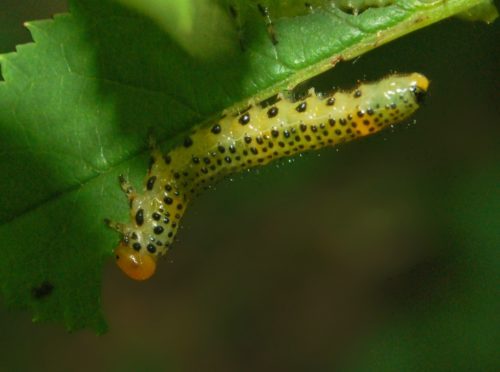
<point x="252" y="138"/>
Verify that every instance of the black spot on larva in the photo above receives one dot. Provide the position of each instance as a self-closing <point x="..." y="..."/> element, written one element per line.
<point x="281" y="144"/>
<point x="314" y="128"/>
<point x="244" y="119"/>
<point x="137" y="246"/>
<point x="366" y="122"/>
<point x="254" y="150"/>
<point x="139" y="217"/>
<point x="196" y="160"/>
<point x="330" y="101"/>
<point x="342" y="121"/>
<point x="168" y="200"/>
<point x="370" y="111"/>
<point x="297" y="138"/>
<point x="158" y="229"/>
<point x="232" y="149"/>
<point x="166" y="220"/>
<point x="275" y="133"/>
<point x="360" y="113"/>
<point x="204" y="170"/>
<point x="151" y="183"/>
<point x="307" y="137"/>
<point x="151" y="248"/>
<point x="188" y="141"/>
<point x="272" y="112"/>
<point x="338" y="132"/>
<point x="134" y="236"/>
<point x="286" y="133"/>
<point x="212" y="167"/>
<point x="259" y="140"/>
<point x="151" y="162"/>
<point x="180" y="206"/>
<point x="167" y="159"/>
<point x="301" y="107"/>
<point x="331" y="121"/>
<point x="206" y="160"/>
<point x="221" y="149"/>
<point x="168" y="187"/>
<point x="43" y="290"/>
<point x="227" y="159"/>
<point x="248" y="139"/>
<point x="177" y="175"/>
<point x="156" y="216"/>
<point x="170" y="234"/>
<point x="216" y="129"/>
<point x="357" y="93"/>
<point x="303" y="127"/>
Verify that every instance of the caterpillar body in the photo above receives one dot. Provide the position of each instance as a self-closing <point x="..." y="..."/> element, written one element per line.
<point x="250" y="139"/>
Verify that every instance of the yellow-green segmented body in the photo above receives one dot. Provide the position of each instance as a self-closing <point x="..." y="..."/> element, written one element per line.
<point x="250" y="139"/>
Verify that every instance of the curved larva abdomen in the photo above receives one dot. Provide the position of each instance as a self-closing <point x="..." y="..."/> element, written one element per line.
<point x="252" y="138"/>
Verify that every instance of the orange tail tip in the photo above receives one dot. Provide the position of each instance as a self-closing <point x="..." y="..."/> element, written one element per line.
<point x="135" y="265"/>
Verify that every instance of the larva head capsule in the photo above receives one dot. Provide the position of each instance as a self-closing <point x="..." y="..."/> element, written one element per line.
<point x="134" y="264"/>
<point x="420" y="87"/>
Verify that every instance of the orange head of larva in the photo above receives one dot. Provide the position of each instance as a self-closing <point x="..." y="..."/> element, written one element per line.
<point x="135" y="265"/>
<point x="421" y="85"/>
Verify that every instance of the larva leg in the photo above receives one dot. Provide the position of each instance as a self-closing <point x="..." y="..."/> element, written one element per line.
<point x="156" y="154"/>
<point x="152" y="143"/>
<point x="115" y="225"/>
<point x="264" y="11"/>
<point x="127" y="188"/>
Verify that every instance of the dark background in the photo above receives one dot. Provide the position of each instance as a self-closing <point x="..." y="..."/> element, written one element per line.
<point x="380" y="255"/>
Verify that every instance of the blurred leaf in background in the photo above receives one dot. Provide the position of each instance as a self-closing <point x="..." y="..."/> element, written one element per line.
<point x="203" y="27"/>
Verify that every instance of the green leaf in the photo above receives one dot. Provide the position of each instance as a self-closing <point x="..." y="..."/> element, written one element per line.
<point x="78" y="104"/>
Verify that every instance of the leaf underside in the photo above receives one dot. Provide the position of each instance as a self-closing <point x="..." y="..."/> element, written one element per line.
<point x="78" y="104"/>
